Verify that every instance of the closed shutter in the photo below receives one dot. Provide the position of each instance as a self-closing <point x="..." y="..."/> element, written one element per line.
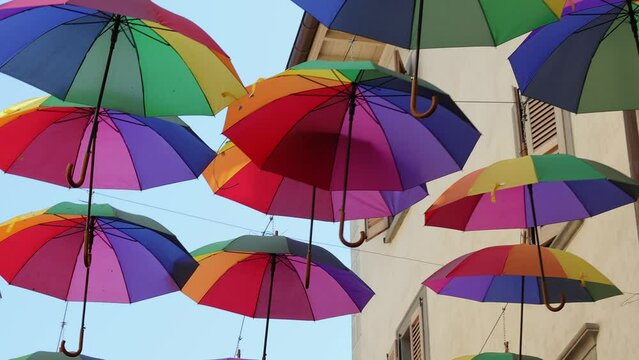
<point x="416" y="337"/>
<point x="541" y="127"/>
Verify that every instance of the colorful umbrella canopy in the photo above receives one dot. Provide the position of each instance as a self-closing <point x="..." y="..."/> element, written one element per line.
<point x="495" y="274"/>
<point x="42" y="136"/>
<point x="497" y="356"/>
<point x="161" y="63"/>
<point x="586" y="62"/>
<point x="232" y="175"/>
<point x="420" y="24"/>
<point x="563" y="188"/>
<point x="510" y="273"/>
<point x="444" y="24"/>
<point x="43" y="355"/>
<point x="259" y="276"/>
<point x="345" y="126"/>
<point x="134" y="257"/>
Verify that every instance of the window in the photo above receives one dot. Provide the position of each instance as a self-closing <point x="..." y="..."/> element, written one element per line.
<point x="584" y="345"/>
<point x="545" y="129"/>
<point x="410" y="342"/>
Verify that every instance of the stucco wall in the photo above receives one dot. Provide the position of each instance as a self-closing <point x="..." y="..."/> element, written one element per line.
<point x="459" y="326"/>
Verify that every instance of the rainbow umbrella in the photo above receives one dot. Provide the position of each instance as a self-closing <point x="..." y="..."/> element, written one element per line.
<point x="44" y="355"/>
<point x="232" y="175"/>
<point x="421" y="24"/>
<point x="129" y="55"/>
<point x="587" y="62"/>
<point x="509" y="273"/>
<point x="497" y="356"/>
<point x="344" y="126"/>
<point x="41" y="138"/>
<point x="259" y="276"/>
<point x="134" y="257"/>
<point x="531" y="191"/>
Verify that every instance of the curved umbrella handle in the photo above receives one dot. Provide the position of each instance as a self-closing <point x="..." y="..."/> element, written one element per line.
<point x="413" y="102"/>
<point x="83" y="172"/>
<point x="76" y="353"/>
<point x="544" y="293"/>
<point x="362" y="234"/>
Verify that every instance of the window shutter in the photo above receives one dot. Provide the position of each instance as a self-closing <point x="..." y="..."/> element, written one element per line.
<point x="393" y="354"/>
<point x="377" y="226"/>
<point x="416" y="339"/>
<point x="541" y="127"/>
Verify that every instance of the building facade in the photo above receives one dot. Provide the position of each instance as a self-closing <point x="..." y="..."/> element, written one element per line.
<point x="409" y="322"/>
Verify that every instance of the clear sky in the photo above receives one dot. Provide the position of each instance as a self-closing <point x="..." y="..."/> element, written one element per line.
<point x="258" y="35"/>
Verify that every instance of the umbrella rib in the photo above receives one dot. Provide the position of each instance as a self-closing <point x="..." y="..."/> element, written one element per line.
<point x="369" y="89"/>
<point x="361" y="104"/>
<point x="73" y="220"/>
<point x="607" y="22"/>
<point x="161" y="41"/>
<point x="259" y="290"/>
<point x="86" y="22"/>
<point x="126" y="34"/>
<point x="143" y="24"/>
<point x="124" y="120"/>
<point x="95" y="14"/>
<point x="614" y="5"/>
<point x="75" y="266"/>
<point x="320" y="84"/>
<point x="103" y="238"/>
<point x="399" y="110"/>
<point x="137" y="54"/>
<point x="302" y="285"/>
<point x="128" y="151"/>
<point x="610" y="31"/>
<point x="68" y="234"/>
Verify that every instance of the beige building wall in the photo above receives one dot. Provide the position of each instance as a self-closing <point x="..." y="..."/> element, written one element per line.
<point x="481" y="80"/>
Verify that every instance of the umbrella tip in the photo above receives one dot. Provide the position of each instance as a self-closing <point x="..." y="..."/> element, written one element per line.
<point x="277" y="233"/>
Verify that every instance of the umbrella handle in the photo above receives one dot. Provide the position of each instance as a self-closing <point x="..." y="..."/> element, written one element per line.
<point x="83" y="172"/>
<point x="544" y="293"/>
<point x="362" y="234"/>
<point x="413" y="102"/>
<point x="76" y="353"/>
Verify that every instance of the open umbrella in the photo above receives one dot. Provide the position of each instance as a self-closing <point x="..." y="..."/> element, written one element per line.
<point x="128" y="55"/>
<point x="134" y="257"/>
<point x="420" y="24"/>
<point x="233" y="176"/>
<point x="509" y="274"/>
<point x="259" y="276"/>
<point x="587" y="62"/>
<point x="532" y="191"/>
<point x="41" y="137"/>
<point x="497" y="356"/>
<point x="344" y="126"/>
<point x="43" y="355"/>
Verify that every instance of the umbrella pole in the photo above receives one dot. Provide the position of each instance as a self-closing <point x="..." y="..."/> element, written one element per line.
<point x="521" y="318"/>
<point x="268" y="309"/>
<point x="633" y="23"/>
<point x="342" y="211"/>
<point x="414" y="78"/>
<point x="310" y="241"/>
<point x="63" y="348"/>
<point x="535" y="236"/>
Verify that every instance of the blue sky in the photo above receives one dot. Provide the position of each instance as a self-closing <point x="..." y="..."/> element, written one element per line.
<point x="258" y="35"/>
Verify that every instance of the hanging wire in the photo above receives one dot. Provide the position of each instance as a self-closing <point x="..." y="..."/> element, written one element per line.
<point x="270" y="220"/>
<point x="63" y="323"/>
<point x="506" y="343"/>
<point x="350" y="47"/>
<point x="239" y="338"/>
<point x="503" y="311"/>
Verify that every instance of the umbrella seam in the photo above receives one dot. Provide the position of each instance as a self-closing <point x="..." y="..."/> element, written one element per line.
<point x="259" y="290"/>
<point x="135" y="169"/>
<point x="36" y="39"/>
<point x="302" y="285"/>
<point x="75" y="265"/>
<point x="566" y="183"/>
<point x="36" y="137"/>
<point x="337" y="12"/>
<point x="490" y="30"/>
<point x="597" y="17"/>
<point x="115" y="254"/>
<point x="137" y="54"/>
<point x="186" y="65"/>
<point x="84" y="58"/>
<point x="270" y="204"/>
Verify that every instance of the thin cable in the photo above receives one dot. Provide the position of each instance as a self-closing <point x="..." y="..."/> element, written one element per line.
<point x="239" y="337"/>
<point x="62" y="325"/>
<point x="180" y="213"/>
<point x="257" y="231"/>
<point x="493" y="329"/>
